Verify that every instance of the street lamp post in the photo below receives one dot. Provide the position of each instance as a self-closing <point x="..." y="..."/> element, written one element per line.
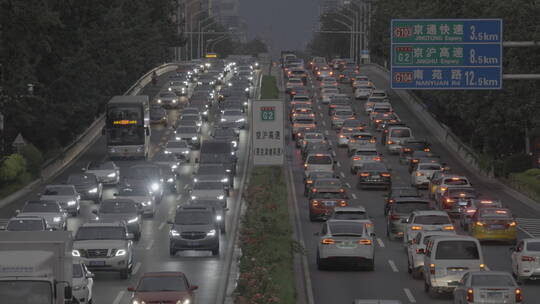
<point x="202" y="32"/>
<point x="215" y="41"/>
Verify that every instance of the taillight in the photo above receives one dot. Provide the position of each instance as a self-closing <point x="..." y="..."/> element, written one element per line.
<point x="420" y="250"/>
<point x="470" y="295"/>
<point x="372" y="141"/>
<point x="341" y="136"/>
<point x="512" y="224"/>
<point x="389" y="142"/>
<point x="482" y="266"/>
<point x="449" y="200"/>
<point x="432" y="268"/>
<point x="343" y="204"/>
<point x="315" y="203"/>
<point x="427" y="150"/>
<point x="377" y="158"/>
<point x="528" y="259"/>
<point x="479" y="224"/>
<point x="386" y="174"/>
<point x="519" y="295"/>
<point x="448" y="228"/>
<point x="328" y="242"/>
<point x="416" y="228"/>
<point x="364" y="174"/>
<point x="368" y="225"/>
<point x="314" y="190"/>
<point x="356" y="158"/>
<point x="309" y="181"/>
<point x="341" y="190"/>
<point x="364" y="242"/>
<point x="419" y="174"/>
<point x="415" y="160"/>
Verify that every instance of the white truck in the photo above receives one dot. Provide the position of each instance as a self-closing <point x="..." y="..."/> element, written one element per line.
<point x="36" y="267"/>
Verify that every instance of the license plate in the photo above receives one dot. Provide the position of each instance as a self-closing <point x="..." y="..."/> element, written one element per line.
<point x="97" y="263"/>
<point x="376" y="177"/>
<point x="329" y="203"/>
<point x="347" y="245"/>
<point x="495" y="295"/>
<point x="497" y="227"/>
<point x="191" y="244"/>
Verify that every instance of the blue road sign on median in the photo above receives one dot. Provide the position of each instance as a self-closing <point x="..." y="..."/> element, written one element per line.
<point x="437" y="54"/>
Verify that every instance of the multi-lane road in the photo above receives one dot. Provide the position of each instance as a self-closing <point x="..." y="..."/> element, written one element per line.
<point x="152" y="251"/>
<point x="390" y="279"/>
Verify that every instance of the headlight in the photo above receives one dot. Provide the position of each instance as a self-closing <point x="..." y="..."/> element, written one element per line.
<point x="178" y="138"/>
<point x="228" y="170"/>
<point x="186" y="301"/>
<point x="75" y="253"/>
<point x="159" y="101"/>
<point x="240" y="120"/>
<point x="93" y="190"/>
<point x="154" y="187"/>
<point x="229" y="84"/>
<point x="211" y="232"/>
<point x="146" y="203"/>
<point x="71" y="203"/>
<point x="195" y="180"/>
<point x="174" y="233"/>
<point x="170" y="180"/>
<point x="174" y="167"/>
<point x="218" y="218"/>
<point x="185" y="152"/>
<point x="245" y="103"/>
<point x="133" y="220"/>
<point x="223" y="120"/>
<point x="57" y="219"/>
<point x="112" y="149"/>
<point x="194" y="138"/>
<point x="193" y="197"/>
<point x="111" y="174"/>
<point x="199" y="124"/>
<point x="174" y="101"/>
<point x="225" y="180"/>
<point x="234" y="143"/>
<point x="220" y="197"/>
<point x="167" y="152"/>
<point x="120" y="252"/>
<point x="205" y="113"/>
<point x="138" y="302"/>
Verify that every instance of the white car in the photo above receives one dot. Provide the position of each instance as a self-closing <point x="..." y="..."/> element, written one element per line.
<point x="396" y="137"/>
<point x="363" y="90"/>
<point x="140" y="196"/>
<point x="361" y="141"/>
<point x="107" y="172"/>
<point x="340" y="115"/>
<point x="326" y="94"/>
<point x="235" y="117"/>
<point x="329" y="81"/>
<point x="358" y="214"/>
<point x="526" y="259"/>
<point x="361" y="157"/>
<point x="82" y="282"/>
<point x="426" y="220"/>
<point x="347" y="241"/>
<point x="416" y="249"/>
<point x="421" y="176"/>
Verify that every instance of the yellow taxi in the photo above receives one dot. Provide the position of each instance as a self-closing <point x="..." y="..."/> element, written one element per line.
<point x="493" y="224"/>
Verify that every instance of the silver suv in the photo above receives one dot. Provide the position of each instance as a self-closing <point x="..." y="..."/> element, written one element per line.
<point x="105" y="246"/>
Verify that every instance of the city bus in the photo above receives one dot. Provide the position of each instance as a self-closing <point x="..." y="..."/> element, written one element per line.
<point x="127" y="127"/>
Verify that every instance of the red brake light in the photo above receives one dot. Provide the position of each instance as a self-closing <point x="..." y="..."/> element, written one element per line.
<point x="528" y="259"/>
<point x="519" y="295"/>
<point x="356" y="158"/>
<point x="327" y="241"/>
<point x="386" y="174"/>
<point x="470" y="295"/>
<point x="394" y="217"/>
<point x="364" y="174"/>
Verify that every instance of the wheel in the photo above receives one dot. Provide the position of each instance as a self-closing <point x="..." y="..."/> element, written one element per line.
<point x="416" y="273"/>
<point x="312" y="218"/>
<point x="222" y="228"/>
<point x="371" y="265"/>
<point x="215" y="252"/>
<point x="432" y="292"/>
<point x="124" y="274"/>
<point x="321" y="264"/>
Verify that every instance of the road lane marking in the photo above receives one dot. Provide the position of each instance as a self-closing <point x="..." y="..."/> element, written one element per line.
<point x="338" y="164"/>
<point x="321" y="115"/>
<point x="330" y="142"/>
<point x="409" y="295"/>
<point x="150" y="245"/>
<point x="162" y="225"/>
<point x="136" y="268"/>
<point x="324" y="124"/>
<point x="393" y="266"/>
<point x="380" y="241"/>
<point x="179" y="197"/>
<point x="326" y="131"/>
<point x="171" y="210"/>
<point x="186" y="186"/>
<point x="342" y="174"/>
<point x="119" y="297"/>
<point x="347" y="184"/>
<point x="353" y="196"/>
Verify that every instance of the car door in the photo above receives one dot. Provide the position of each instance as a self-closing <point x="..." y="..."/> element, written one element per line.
<point x="89" y="281"/>
<point x="516" y="256"/>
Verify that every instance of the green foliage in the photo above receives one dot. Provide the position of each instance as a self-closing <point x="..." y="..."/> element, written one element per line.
<point x="266" y="266"/>
<point x="527" y="183"/>
<point x="12" y="168"/>
<point x="252" y="47"/>
<point x="517" y="163"/>
<point x="33" y="158"/>
<point x="269" y="88"/>
<point x="535" y="172"/>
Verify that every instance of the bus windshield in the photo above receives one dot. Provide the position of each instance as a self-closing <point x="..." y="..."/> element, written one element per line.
<point x="126" y="136"/>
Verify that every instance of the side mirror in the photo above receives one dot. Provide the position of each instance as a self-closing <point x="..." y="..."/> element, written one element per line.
<point x="94" y="211"/>
<point x="132" y="289"/>
<point x="68" y="294"/>
<point x="193" y="287"/>
<point x="130" y="236"/>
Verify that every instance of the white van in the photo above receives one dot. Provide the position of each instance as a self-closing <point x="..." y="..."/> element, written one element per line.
<point x="447" y="259"/>
<point x="396" y="137"/>
<point x="319" y="161"/>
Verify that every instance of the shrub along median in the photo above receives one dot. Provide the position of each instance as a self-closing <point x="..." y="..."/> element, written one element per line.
<point x="269" y="88"/>
<point x="527" y="182"/>
<point x="266" y="265"/>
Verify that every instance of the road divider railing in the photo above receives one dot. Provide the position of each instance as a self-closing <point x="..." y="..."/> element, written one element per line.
<point x="54" y="166"/>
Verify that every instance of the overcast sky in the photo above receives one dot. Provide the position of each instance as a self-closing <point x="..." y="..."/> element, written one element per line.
<point x="283" y="24"/>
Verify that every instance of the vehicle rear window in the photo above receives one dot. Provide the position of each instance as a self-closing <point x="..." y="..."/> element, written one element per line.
<point x="491" y="280"/>
<point x="495" y="213"/>
<point x="461" y="193"/>
<point x="350" y="215"/>
<point x="400" y="133"/>
<point x="303" y="121"/>
<point x="118" y="207"/>
<point x="429" y="167"/>
<point x="457" y="250"/>
<point x="185" y="130"/>
<point x="319" y="160"/>
<point x="533" y="246"/>
<point x="25" y="225"/>
<point x="409" y="207"/>
<point x="193" y="218"/>
<point x="330" y="195"/>
<point x="100" y="166"/>
<point x="344" y="228"/>
<point x="432" y="220"/>
<point x="59" y="191"/>
<point x="207" y="186"/>
<point x="162" y="284"/>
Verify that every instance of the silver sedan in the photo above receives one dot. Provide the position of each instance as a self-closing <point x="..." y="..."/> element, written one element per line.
<point x="479" y="287"/>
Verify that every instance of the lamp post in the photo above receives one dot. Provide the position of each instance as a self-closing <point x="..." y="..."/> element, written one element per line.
<point x="215" y="41"/>
<point x="191" y="32"/>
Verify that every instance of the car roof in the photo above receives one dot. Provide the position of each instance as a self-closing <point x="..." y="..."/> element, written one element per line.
<point x="103" y="223"/>
<point x="430" y="212"/>
<point x="455" y="237"/>
<point x="350" y="209"/>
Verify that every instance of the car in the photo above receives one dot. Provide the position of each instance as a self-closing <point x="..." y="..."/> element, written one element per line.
<point x="411" y="145"/>
<point x="340" y="115"/>
<point x="82" y="282"/>
<point x="363" y="90"/>
<point x="345" y="242"/>
<point x="163" y="287"/>
<point x="324" y="72"/>
<point x="377" y="301"/>
<point x="314" y="147"/>
<point x="416" y="248"/>
<point x="158" y="115"/>
<point x="178" y="87"/>
<point x="493" y="224"/>
<point x="324" y="200"/>
<point x="487" y="287"/>
<point x="26" y="223"/>
<point x="190" y="134"/>
<point x="386" y="126"/>
<point x="208" y="190"/>
<point x="362" y="157"/>
<point x="378" y="120"/>
<point x="361" y="141"/>
<point x="353" y="124"/>
<point x="398" y="192"/>
<point x="55" y="217"/>
<point x="312" y="177"/>
<point x="454" y="199"/>
<point x="194" y="228"/>
<point x="422" y="174"/>
<point x="447" y="258"/>
<point x="325" y="185"/>
<point x="292" y="83"/>
<point x="380" y="108"/>
<point x="399" y="211"/>
<point x="358" y="214"/>
<point x="107" y="172"/>
<point x="122" y="210"/>
<point x="167" y="99"/>
<point x="298" y="73"/>
<point x="86" y="185"/>
<point x="338" y="101"/>
<point x="319" y="161"/>
<point x="310" y="137"/>
<point x="301" y="99"/>
<point x="426" y="220"/>
<point x="217" y="206"/>
<point x="326" y="94"/>
<point x="396" y="137"/>
<point x="147" y="175"/>
<point x="66" y="195"/>
<point x="374" y="174"/>
<point x="197" y="118"/>
<point x="445" y="182"/>
<point x="226" y="134"/>
<point x="140" y="196"/>
<point x="329" y="81"/>
<point x="179" y="148"/>
<point x="235" y="117"/>
<point x="214" y="173"/>
<point x="105" y="246"/>
<point x="379" y="95"/>
<point x="524" y="259"/>
<point x="168" y="162"/>
<point x="427" y="156"/>
<point x="472" y="206"/>
<point x="302" y="124"/>
<point x="344" y="136"/>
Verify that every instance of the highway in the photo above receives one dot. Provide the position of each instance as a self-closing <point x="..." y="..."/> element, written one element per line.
<point x="390" y="279"/>
<point x="152" y="250"/>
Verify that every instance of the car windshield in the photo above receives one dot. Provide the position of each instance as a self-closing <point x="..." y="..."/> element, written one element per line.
<point x="303" y="121"/>
<point x="133" y="192"/>
<point x="330" y="195"/>
<point x="492" y="280"/>
<point x="143" y="172"/>
<point x="25" y="225"/>
<point x="162" y="283"/>
<point x="432" y="220"/>
<point x="101" y="166"/>
<point x="495" y="213"/>
<point x="100" y="233"/>
<point x="77" y="270"/>
<point x="408" y="207"/>
<point x="319" y="160"/>
<point x="429" y="167"/>
<point x="186" y="130"/>
<point x="346" y="228"/>
<point x="208" y="186"/>
<point x="193" y="218"/>
<point x="118" y="207"/>
<point x="350" y="215"/>
<point x="223" y="133"/>
<point x="400" y="133"/>
<point x="59" y="191"/>
<point x="232" y="113"/>
<point x="177" y="144"/>
<point x="76" y="179"/>
<point x="457" y="250"/>
<point x="42" y="207"/>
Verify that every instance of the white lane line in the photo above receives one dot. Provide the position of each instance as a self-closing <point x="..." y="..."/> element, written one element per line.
<point x="338" y="164"/>
<point x="162" y="225"/>
<point x="119" y="297"/>
<point x="330" y="142"/>
<point x="324" y="124"/>
<point x="342" y="174"/>
<point x="150" y="245"/>
<point x="321" y="115"/>
<point x="409" y="295"/>
<point x="380" y="242"/>
<point x="319" y="107"/>
<point x="393" y="266"/>
<point x="186" y="186"/>
<point x="326" y="131"/>
<point x="179" y="197"/>
<point x="171" y="210"/>
<point x="354" y="196"/>
<point x="136" y="268"/>
<point x="347" y="184"/>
